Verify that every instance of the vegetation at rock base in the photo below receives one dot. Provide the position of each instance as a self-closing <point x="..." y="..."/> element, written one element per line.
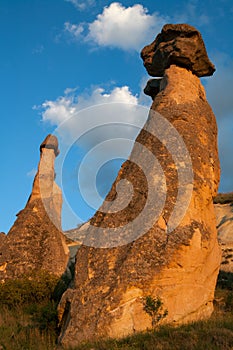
<point x="29" y="289"/>
<point x="154" y="308"/>
<point x="28" y="321"/>
<point x="215" y="334"/>
<point x="225" y="280"/>
<point x="28" y="311"/>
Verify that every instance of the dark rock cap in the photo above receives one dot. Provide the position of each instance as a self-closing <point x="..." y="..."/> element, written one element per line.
<point x="50" y="142"/>
<point x="179" y="44"/>
<point x="152" y="87"/>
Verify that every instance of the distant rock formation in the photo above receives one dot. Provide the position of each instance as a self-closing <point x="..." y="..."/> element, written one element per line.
<point x="224" y="213"/>
<point x="35" y="242"/>
<point x="223" y="198"/>
<point x="179" y="266"/>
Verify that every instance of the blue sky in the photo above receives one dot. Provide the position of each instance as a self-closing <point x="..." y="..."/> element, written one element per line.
<point x="58" y="57"/>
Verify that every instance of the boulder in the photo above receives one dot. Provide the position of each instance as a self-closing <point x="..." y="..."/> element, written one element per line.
<point x="179" y="44"/>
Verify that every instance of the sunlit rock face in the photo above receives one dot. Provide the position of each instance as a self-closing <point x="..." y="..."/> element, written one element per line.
<point x="224" y="213"/>
<point x="172" y="253"/>
<point x="35" y="241"/>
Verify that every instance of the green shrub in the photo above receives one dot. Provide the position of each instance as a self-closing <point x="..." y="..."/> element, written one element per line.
<point x="27" y="289"/>
<point x="229" y="302"/>
<point x="19" y="332"/>
<point x="28" y="313"/>
<point x="46" y="316"/>
<point x="154" y="308"/>
<point x="225" y="280"/>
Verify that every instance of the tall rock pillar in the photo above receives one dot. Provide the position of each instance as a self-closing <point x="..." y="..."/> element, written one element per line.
<point x="179" y="264"/>
<point x="35" y="242"/>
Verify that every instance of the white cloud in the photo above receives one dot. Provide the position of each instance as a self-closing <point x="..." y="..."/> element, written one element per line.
<point x="67" y="106"/>
<point x="75" y="30"/>
<point x="95" y="113"/>
<point x="122" y="27"/>
<point x="82" y="5"/>
<point x="93" y="128"/>
<point x="58" y="111"/>
<point x="127" y="28"/>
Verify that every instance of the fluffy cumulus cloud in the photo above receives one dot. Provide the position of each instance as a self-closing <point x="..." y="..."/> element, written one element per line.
<point x="82" y="5"/>
<point x="94" y="128"/>
<point x="124" y="27"/>
<point x="90" y="118"/>
<point x="70" y="105"/>
<point x="127" y="28"/>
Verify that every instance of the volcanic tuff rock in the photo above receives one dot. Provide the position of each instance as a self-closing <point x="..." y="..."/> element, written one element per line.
<point x="180" y="266"/>
<point x="178" y="44"/>
<point x="224" y="214"/>
<point x="152" y="87"/>
<point x="35" y="241"/>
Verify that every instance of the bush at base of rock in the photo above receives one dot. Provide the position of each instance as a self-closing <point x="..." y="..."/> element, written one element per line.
<point x="28" y="289"/>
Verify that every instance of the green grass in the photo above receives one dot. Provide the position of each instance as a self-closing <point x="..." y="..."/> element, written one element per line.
<point x="214" y="334"/>
<point x="31" y="323"/>
<point x="18" y="331"/>
<point x="28" y="313"/>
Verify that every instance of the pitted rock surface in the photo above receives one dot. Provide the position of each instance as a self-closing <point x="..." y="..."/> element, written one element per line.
<point x="179" y="44"/>
<point x="35" y="242"/>
<point x="180" y="267"/>
<point x="224" y="213"/>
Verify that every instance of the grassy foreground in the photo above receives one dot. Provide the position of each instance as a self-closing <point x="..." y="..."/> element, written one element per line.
<point x="30" y="323"/>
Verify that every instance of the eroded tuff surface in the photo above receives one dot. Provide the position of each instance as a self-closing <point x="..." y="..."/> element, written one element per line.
<point x="35" y="241"/>
<point x="178" y="44"/>
<point x="224" y="214"/>
<point x="180" y="267"/>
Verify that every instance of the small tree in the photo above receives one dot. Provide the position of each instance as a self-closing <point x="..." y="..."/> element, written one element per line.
<point x="154" y="308"/>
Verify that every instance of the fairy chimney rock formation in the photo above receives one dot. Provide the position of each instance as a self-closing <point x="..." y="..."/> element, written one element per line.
<point x="171" y="253"/>
<point x="44" y="186"/>
<point x="35" y="242"/>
